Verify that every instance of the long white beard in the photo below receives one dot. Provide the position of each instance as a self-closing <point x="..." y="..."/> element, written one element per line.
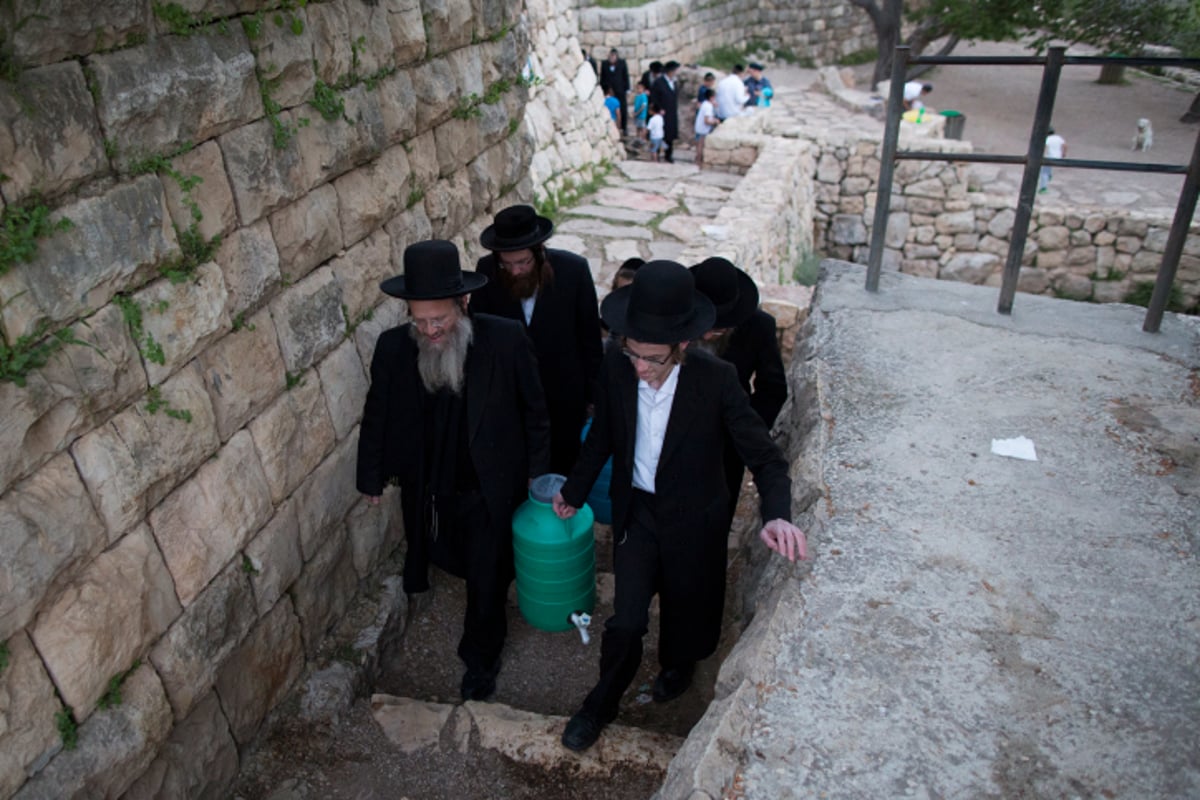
<point x="444" y="366"/>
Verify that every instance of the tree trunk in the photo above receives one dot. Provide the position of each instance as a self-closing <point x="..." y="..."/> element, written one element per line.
<point x="1111" y="74"/>
<point x="885" y="19"/>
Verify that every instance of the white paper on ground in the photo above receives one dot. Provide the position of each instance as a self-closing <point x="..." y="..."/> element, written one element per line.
<point x="1019" y="447"/>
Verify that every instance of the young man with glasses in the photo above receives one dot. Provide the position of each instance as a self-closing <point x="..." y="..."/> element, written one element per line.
<point x="663" y="413"/>
<point x="551" y="293"/>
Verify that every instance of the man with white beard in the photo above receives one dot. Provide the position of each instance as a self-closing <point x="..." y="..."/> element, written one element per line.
<point x="455" y="415"/>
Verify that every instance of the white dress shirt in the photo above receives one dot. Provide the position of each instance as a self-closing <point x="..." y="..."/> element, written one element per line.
<point x="653" y="412"/>
<point x="527" y="304"/>
<point x="731" y="96"/>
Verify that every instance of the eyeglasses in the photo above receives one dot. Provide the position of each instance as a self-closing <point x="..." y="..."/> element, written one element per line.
<point x="658" y="361"/>
<point x="527" y="261"/>
<point x="434" y="324"/>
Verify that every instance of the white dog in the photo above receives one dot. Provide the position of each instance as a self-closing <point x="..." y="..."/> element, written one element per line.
<point x="1144" y="138"/>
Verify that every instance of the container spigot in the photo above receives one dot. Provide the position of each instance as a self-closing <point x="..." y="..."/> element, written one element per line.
<point x="581" y="620"/>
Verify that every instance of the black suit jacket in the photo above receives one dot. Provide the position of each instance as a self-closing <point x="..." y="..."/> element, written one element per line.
<point x="616" y="77"/>
<point x="754" y="352"/>
<point x="665" y="97"/>
<point x="690" y="491"/>
<point x="565" y="330"/>
<point x="506" y="421"/>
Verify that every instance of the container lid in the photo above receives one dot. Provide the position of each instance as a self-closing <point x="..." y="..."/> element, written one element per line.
<point x="544" y="487"/>
<point x="949" y="112"/>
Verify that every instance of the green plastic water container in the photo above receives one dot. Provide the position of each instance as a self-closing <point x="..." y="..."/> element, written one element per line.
<point x="555" y="558"/>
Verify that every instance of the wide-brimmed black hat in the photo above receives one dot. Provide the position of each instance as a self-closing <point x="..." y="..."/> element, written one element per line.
<point x="432" y="272"/>
<point x="661" y="306"/>
<point x="732" y="291"/>
<point x="516" y="228"/>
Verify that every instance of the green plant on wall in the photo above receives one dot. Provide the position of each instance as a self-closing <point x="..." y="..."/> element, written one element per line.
<point x="328" y="103"/>
<point x="155" y="402"/>
<point x="131" y="312"/>
<point x="68" y="729"/>
<point x="112" y="695"/>
<point x="4" y="656"/>
<point x="21" y="226"/>
<point x="32" y="351"/>
<point x="182" y="22"/>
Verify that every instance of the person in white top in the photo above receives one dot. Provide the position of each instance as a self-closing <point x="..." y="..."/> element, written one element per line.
<point x="731" y="94"/>
<point x="1056" y="147"/>
<point x="664" y="411"/>
<point x="913" y="92"/>
<point x="706" y="121"/>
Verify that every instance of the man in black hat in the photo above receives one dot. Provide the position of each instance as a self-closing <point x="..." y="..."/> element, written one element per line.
<point x="455" y="415"/>
<point x="664" y="418"/>
<point x="665" y="95"/>
<point x="744" y="335"/>
<point x="614" y="74"/>
<point x="551" y="293"/>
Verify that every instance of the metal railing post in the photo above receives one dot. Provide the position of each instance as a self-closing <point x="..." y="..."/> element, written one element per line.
<point x="1175" y="242"/>
<point x="1029" y="181"/>
<point x="887" y="166"/>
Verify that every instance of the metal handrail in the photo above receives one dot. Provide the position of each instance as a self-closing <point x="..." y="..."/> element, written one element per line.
<point x="1033" y="160"/>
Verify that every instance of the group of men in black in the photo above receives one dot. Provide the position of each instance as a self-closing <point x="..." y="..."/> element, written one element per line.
<point x="660" y="82"/>
<point x="489" y="385"/>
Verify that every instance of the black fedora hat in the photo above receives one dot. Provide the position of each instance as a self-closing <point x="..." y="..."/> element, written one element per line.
<point x="732" y="291"/>
<point x="661" y="306"/>
<point x="432" y="272"/>
<point x="516" y="228"/>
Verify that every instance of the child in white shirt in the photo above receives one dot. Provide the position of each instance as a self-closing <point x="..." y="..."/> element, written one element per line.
<point x="655" y="127"/>
<point x="706" y="121"/>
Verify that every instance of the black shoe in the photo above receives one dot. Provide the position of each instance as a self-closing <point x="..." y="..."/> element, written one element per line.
<point x="479" y="684"/>
<point x="581" y="732"/>
<point x="671" y="683"/>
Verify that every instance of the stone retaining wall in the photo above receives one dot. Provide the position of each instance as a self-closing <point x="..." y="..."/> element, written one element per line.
<point x="178" y="517"/>
<point x="684" y="30"/>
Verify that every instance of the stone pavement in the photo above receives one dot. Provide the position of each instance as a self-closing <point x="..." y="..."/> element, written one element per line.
<point x="976" y="625"/>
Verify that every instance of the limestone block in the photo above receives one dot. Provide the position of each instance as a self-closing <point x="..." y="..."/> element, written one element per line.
<point x="966" y="241"/>
<point x="970" y="267"/>
<point x="198" y="760"/>
<point x="115" y="238"/>
<point x="286" y="59"/>
<point x="1053" y="237"/>
<point x="203" y="85"/>
<point x="115" y="745"/>
<point x="448" y="24"/>
<point x="407" y="228"/>
<point x="921" y="267"/>
<point x="1094" y="223"/>
<point x="856" y="186"/>
<point x="264" y="177"/>
<point x="250" y="265"/>
<point x="990" y="244"/>
<point x="407" y="29"/>
<point x="212" y="195"/>
<point x="1074" y="287"/>
<point x="1000" y="225"/>
<point x="371" y="195"/>
<point x="183" y="317"/>
<point x="917" y="251"/>
<point x="308" y="319"/>
<point x="448" y="204"/>
<point x="848" y="229"/>
<point x="388" y="314"/>
<point x="422" y="160"/>
<point x="34" y="425"/>
<point x="330" y="147"/>
<point x="931" y="187"/>
<point x="325" y="588"/>
<point x="28" y="735"/>
<point x="1033" y="280"/>
<point x="369" y="26"/>
<point x="327" y="495"/>
<point x="292" y="436"/>
<point x="957" y="206"/>
<point x="47" y="530"/>
<point x="852" y="205"/>
<point x="1110" y="291"/>
<point x="203" y="523"/>
<point x="1050" y="218"/>
<point x="897" y="230"/>
<point x="399" y="106"/>
<point x="55" y="148"/>
<point x="436" y="92"/>
<point x="275" y="556"/>
<point x="307" y="232"/>
<point x="1156" y="240"/>
<point x="1105" y="258"/>
<point x="76" y="27"/>
<point x="1081" y="256"/>
<point x="1128" y="244"/>
<point x="243" y="372"/>
<point x="329" y="24"/>
<point x="345" y="386"/>
<point x="929" y="206"/>
<point x="138" y="457"/>
<point x="829" y="169"/>
<point x="260" y="671"/>
<point x="1129" y="226"/>
<point x="194" y="649"/>
<point x="1080" y="238"/>
<point x="458" y="141"/>
<point x="1147" y="262"/>
<point x="1051" y="259"/>
<point x="374" y="533"/>
<point x="105" y="618"/>
<point x="925" y="232"/>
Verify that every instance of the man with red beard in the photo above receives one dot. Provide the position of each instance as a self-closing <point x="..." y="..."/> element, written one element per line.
<point x="552" y="294"/>
<point x="455" y="415"/>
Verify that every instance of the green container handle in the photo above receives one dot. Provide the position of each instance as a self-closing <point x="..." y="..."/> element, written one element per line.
<point x="543" y="488"/>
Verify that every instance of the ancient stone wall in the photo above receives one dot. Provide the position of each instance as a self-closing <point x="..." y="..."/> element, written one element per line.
<point x="199" y="203"/>
<point x="684" y="30"/>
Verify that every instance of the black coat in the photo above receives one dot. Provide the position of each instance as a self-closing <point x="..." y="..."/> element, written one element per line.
<point x="506" y="421"/>
<point x="691" y="498"/>
<point x="665" y="96"/>
<point x="615" y="77"/>
<point x="565" y="330"/>
<point x="754" y="352"/>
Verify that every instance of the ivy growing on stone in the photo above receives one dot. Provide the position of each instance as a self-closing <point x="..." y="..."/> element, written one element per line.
<point x="112" y="695"/>
<point x="21" y="226"/>
<point x="32" y="351"/>
<point x="131" y="313"/>
<point x="155" y="402"/>
<point x="68" y="729"/>
<point x="328" y="103"/>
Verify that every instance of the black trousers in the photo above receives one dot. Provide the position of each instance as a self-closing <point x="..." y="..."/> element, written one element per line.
<point x="690" y="582"/>
<point x="669" y="150"/>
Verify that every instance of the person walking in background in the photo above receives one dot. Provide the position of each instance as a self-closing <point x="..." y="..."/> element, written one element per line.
<point x="664" y="94"/>
<point x="651" y="75"/>
<point x="758" y="87"/>
<point x="551" y="294"/>
<point x="654" y="129"/>
<point x="614" y="75"/>
<point x="706" y="121"/>
<point x="743" y="335"/>
<point x="1056" y="147"/>
<point x="914" y="91"/>
<point x="663" y="413"/>
<point x="455" y="415"/>
<point x="732" y="96"/>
